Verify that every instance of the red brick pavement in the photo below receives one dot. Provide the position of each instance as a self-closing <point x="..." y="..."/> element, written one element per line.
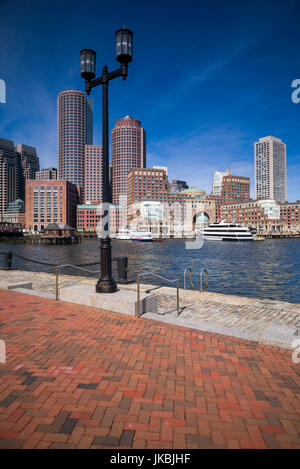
<point x="77" y="377"/>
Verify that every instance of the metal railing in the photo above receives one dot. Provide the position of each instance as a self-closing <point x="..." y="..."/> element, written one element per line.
<point x="69" y="265"/>
<point x="201" y="278"/>
<point x="203" y="271"/>
<point x="191" y="278"/>
<point x="162" y="278"/>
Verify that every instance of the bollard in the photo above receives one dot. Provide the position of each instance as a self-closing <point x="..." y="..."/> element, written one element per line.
<point x="122" y="268"/>
<point x="7" y="261"/>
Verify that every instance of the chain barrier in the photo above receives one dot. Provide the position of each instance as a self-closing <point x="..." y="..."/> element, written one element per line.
<point x="47" y="263"/>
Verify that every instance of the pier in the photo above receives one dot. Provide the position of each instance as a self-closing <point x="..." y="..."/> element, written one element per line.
<point x="275" y="235"/>
<point x="58" y="240"/>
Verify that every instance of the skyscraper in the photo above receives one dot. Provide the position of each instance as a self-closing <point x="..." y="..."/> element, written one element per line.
<point x="74" y="130"/>
<point x="16" y="165"/>
<point x="128" y="151"/>
<point x="217" y="182"/>
<point x="29" y="160"/>
<point x="93" y="173"/>
<point x="89" y="121"/>
<point x="270" y="169"/>
<point x="8" y="174"/>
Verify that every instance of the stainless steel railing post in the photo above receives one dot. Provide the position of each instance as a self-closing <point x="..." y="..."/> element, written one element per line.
<point x="191" y="278"/>
<point x="201" y="279"/>
<point x="56" y="282"/>
<point x="138" y="296"/>
<point x="57" y="267"/>
<point x="162" y="278"/>
<point x="177" y="297"/>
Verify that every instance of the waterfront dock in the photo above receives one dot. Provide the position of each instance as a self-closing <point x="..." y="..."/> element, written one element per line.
<point x="58" y="240"/>
<point x="79" y="377"/>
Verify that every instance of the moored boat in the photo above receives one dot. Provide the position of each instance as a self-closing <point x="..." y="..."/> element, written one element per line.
<point x="124" y="234"/>
<point x="141" y="236"/>
<point x="227" y="232"/>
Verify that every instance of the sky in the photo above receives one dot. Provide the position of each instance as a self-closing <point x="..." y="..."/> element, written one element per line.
<point x="207" y="80"/>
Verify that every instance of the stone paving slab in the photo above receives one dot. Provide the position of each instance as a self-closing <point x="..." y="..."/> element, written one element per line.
<point x="237" y="316"/>
<point x="121" y="301"/>
<point x="35" y="292"/>
<point x="79" y="377"/>
<point x="14" y="285"/>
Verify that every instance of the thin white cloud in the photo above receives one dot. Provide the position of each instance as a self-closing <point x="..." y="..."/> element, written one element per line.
<point x="196" y="156"/>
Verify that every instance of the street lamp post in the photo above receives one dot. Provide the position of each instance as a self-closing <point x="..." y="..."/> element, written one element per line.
<point x="124" y="36"/>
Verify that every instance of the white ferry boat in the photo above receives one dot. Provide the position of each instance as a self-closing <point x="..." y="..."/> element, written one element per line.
<point x="124" y="233"/>
<point x="142" y="236"/>
<point x="227" y="232"/>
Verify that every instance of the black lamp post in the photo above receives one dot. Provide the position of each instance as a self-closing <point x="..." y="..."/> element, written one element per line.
<point x="124" y="36"/>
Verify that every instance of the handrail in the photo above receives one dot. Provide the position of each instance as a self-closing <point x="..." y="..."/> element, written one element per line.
<point x="191" y="278"/>
<point x="69" y="265"/>
<point x="201" y="279"/>
<point x="162" y="278"/>
<point x="206" y="281"/>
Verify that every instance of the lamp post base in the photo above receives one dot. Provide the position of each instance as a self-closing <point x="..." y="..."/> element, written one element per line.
<point x="106" y="283"/>
<point x="106" y="286"/>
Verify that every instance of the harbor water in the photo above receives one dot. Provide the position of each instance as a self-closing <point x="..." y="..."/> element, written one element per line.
<point x="268" y="269"/>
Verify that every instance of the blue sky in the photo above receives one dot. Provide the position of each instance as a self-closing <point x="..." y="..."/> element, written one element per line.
<point x="208" y="78"/>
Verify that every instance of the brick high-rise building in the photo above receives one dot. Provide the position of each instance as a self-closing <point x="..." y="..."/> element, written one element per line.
<point x="128" y="151"/>
<point x="89" y="121"/>
<point x="74" y="122"/>
<point x="47" y="173"/>
<point x="270" y="169"/>
<point x="235" y="188"/>
<point x="93" y="173"/>
<point x="228" y="188"/>
<point x="50" y="201"/>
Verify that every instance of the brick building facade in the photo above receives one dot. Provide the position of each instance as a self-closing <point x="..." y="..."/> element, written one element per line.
<point x="50" y="201"/>
<point x="93" y="173"/>
<point x="89" y="216"/>
<point x="264" y="215"/>
<point x="290" y="215"/>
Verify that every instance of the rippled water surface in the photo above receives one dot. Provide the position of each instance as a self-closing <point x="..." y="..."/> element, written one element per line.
<point x="267" y="269"/>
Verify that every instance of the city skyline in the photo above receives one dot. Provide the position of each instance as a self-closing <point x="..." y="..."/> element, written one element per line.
<point x="203" y="117"/>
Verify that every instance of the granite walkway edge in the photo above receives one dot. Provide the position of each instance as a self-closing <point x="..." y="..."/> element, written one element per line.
<point x="221" y="317"/>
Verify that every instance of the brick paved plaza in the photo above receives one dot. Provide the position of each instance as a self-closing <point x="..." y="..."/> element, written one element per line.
<point x="77" y="377"/>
